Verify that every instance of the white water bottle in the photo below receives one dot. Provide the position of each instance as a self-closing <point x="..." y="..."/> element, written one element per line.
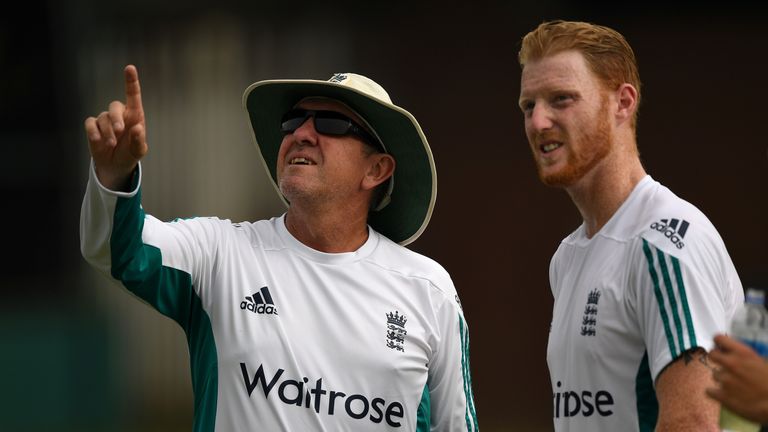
<point x="749" y="325"/>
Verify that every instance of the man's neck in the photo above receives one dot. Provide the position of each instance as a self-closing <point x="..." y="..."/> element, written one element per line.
<point x="331" y="229"/>
<point x="602" y="191"/>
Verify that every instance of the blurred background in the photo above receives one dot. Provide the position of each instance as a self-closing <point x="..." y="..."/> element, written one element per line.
<point x="79" y="354"/>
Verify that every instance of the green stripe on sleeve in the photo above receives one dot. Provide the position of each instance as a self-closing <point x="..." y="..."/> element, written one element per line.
<point x="470" y="414"/>
<point x="471" y="400"/>
<point x="659" y="298"/>
<point x="672" y="299"/>
<point x="170" y="291"/>
<point x="684" y="301"/>
<point x="464" y="374"/>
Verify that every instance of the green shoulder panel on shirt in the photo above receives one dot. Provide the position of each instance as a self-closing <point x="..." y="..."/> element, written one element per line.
<point x="139" y="267"/>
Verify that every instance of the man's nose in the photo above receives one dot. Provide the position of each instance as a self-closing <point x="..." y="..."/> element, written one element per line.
<point x="306" y="133"/>
<point x="541" y="118"/>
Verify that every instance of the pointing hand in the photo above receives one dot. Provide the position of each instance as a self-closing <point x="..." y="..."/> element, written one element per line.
<point x="117" y="138"/>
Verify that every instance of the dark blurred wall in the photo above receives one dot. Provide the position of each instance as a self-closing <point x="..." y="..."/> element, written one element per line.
<point x="701" y="133"/>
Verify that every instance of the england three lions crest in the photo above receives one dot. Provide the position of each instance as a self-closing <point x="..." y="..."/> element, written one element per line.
<point x="589" y="321"/>
<point x="396" y="330"/>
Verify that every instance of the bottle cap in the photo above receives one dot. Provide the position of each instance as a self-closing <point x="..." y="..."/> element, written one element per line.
<point x="755" y="296"/>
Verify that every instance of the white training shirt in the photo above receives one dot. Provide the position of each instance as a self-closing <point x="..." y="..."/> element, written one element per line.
<point x="655" y="281"/>
<point x="286" y="338"/>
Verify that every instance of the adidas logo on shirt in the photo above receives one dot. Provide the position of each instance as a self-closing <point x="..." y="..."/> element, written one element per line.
<point x="260" y="302"/>
<point x="673" y="229"/>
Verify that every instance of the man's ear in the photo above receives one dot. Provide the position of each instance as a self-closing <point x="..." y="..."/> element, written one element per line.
<point x="626" y="102"/>
<point x="381" y="168"/>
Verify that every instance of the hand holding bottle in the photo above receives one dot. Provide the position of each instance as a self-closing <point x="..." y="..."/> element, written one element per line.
<point x="741" y="369"/>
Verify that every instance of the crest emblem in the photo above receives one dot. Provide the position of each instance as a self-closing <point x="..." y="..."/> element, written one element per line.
<point x="338" y="77"/>
<point x="589" y="322"/>
<point x="396" y="330"/>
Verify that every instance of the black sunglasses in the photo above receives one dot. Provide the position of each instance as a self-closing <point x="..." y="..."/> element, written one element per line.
<point x="327" y="123"/>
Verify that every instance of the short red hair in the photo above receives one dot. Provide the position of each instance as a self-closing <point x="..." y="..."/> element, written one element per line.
<point x="605" y="50"/>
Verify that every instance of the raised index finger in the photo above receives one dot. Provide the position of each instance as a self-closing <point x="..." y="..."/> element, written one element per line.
<point x="132" y="89"/>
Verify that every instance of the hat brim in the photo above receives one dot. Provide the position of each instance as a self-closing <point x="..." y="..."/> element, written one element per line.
<point x="415" y="184"/>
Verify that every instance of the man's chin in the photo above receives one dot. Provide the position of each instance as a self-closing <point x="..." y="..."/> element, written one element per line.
<point x="559" y="179"/>
<point x="290" y="189"/>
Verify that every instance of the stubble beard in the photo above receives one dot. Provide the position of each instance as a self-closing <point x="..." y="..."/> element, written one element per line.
<point x="294" y="192"/>
<point x="591" y="148"/>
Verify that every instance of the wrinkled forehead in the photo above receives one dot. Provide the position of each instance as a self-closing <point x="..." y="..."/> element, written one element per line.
<point x="328" y="104"/>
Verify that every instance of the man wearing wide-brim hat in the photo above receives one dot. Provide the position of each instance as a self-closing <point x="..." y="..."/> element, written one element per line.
<point x="316" y="320"/>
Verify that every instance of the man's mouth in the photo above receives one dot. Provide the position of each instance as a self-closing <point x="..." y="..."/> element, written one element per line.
<point x="301" y="161"/>
<point x="546" y="148"/>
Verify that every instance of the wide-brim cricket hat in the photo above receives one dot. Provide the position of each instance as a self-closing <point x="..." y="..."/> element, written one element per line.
<point x="414" y="184"/>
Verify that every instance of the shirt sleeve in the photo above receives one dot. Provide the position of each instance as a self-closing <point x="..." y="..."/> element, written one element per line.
<point x="683" y="297"/>
<point x="449" y="385"/>
<point x="164" y="264"/>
